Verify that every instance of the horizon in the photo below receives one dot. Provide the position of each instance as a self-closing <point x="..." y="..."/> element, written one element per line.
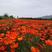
<point x="26" y="16"/>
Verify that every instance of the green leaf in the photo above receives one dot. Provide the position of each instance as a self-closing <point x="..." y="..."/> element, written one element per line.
<point x="41" y="42"/>
<point x="36" y="39"/>
<point x="8" y="48"/>
<point x="28" y="36"/>
<point x="23" y="48"/>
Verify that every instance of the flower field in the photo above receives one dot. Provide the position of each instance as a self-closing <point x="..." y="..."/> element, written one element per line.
<point x="25" y="35"/>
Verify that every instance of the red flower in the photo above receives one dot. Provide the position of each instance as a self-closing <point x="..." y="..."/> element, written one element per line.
<point x="14" y="45"/>
<point x="33" y="49"/>
<point x="12" y="35"/>
<point x="48" y="42"/>
<point x="2" y="48"/>
<point x="8" y="41"/>
<point x="1" y="35"/>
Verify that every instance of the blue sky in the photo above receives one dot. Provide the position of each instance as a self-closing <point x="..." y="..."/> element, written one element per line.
<point x="30" y="8"/>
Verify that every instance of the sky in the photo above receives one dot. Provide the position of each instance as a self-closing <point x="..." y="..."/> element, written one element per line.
<point x="26" y="8"/>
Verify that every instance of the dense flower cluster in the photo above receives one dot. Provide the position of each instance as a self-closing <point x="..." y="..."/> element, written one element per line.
<point x="25" y="35"/>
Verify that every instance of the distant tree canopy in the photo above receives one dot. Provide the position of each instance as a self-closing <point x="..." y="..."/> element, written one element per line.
<point x="5" y="16"/>
<point x="1" y="17"/>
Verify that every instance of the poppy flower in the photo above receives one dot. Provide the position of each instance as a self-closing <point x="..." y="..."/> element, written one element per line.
<point x="48" y="42"/>
<point x="20" y="38"/>
<point x="14" y="45"/>
<point x="33" y="49"/>
<point x="8" y="41"/>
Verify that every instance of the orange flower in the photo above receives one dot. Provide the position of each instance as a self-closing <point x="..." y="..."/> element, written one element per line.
<point x="33" y="49"/>
<point x="48" y="42"/>
<point x="12" y="50"/>
<point x="12" y="35"/>
<point x="20" y="38"/>
<point x="7" y="41"/>
<point x="14" y="45"/>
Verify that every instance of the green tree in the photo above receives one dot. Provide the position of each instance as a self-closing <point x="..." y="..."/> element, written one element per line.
<point x="11" y="17"/>
<point x="5" y="16"/>
<point x="1" y="17"/>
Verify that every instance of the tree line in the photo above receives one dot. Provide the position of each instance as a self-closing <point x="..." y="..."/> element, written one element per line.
<point x="6" y="16"/>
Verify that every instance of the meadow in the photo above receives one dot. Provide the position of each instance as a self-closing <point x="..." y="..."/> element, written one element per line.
<point x="17" y="35"/>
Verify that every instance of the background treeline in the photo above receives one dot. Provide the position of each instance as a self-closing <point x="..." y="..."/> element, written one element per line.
<point x="6" y="16"/>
